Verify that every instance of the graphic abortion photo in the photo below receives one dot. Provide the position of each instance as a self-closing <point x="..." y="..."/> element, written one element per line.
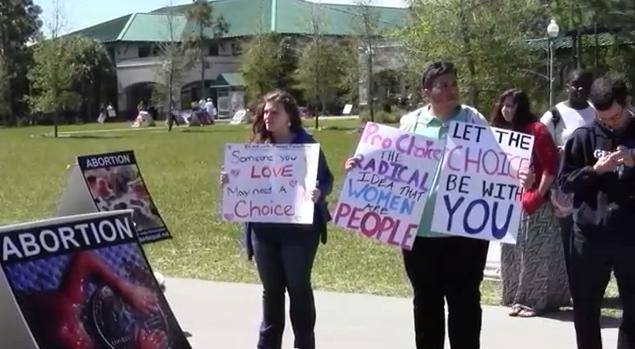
<point x="115" y="183"/>
<point x="82" y="282"/>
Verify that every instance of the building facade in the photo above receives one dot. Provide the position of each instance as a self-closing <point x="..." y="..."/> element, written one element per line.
<point x="133" y="43"/>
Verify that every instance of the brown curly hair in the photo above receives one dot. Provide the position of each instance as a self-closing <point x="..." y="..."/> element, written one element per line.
<point x="259" y="133"/>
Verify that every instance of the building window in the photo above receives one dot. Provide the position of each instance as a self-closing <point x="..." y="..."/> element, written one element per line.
<point x="213" y="49"/>
<point x="237" y="48"/>
<point x="144" y="51"/>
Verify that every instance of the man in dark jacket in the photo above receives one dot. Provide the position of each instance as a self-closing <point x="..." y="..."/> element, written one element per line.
<point x="598" y="170"/>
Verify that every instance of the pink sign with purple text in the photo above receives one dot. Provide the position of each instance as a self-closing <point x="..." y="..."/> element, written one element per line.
<point x="270" y="183"/>
<point x="383" y="198"/>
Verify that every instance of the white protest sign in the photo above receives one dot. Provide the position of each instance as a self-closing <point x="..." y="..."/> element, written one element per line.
<point x="270" y="182"/>
<point x="241" y="116"/>
<point x="383" y="198"/>
<point x="479" y="190"/>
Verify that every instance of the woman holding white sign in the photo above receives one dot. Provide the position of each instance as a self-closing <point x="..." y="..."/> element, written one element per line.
<point x="533" y="270"/>
<point x="284" y="252"/>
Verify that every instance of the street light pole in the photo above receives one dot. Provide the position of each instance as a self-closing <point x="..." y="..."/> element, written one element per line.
<point x="552" y="32"/>
<point x="550" y="72"/>
<point x="369" y="94"/>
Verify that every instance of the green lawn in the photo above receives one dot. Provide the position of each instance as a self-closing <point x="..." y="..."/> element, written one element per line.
<point x="182" y="169"/>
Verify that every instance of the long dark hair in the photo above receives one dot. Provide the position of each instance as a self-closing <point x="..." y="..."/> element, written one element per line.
<point x="259" y="133"/>
<point x="523" y="114"/>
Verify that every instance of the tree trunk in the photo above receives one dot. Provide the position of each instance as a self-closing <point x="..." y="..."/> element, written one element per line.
<point x="9" y="79"/>
<point x="170" y="87"/>
<point x="11" y="119"/>
<point x="318" y="84"/>
<point x="89" y="112"/>
<point x="471" y="66"/>
<point x="202" y="53"/>
<point x="55" y="120"/>
<point x="369" y="94"/>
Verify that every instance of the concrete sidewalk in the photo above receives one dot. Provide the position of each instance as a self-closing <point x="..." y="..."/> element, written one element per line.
<point x="227" y="316"/>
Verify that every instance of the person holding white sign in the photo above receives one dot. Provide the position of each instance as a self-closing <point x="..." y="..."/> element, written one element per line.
<point x="443" y="267"/>
<point x="285" y="252"/>
<point x="533" y="271"/>
<point x="599" y="170"/>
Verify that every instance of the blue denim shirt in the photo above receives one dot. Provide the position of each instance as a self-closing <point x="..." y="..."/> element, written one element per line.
<point x="325" y="183"/>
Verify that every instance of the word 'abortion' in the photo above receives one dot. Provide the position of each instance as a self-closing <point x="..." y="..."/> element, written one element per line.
<point x="65" y="238"/>
<point x="108" y="160"/>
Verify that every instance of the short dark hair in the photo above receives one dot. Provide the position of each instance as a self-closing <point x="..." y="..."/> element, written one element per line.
<point x="620" y="90"/>
<point x="580" y="74"/>
<point x="605" y="91"/>
<point x="434" y="70"/>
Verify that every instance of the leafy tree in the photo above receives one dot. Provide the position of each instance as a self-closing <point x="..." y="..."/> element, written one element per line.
<point x="602" y="33"/>
<point x="350" y="65"/>
<point x="202" y="13"/>
<point x="268" y="63"/>
<point x="19" y="23"/>
<point x="488" y="48"/>
<point x="318" y="70"/>
<point x="52" y="78"/>
<point x="92" y="68"/>
<point x="65" y="73"/>
<point x="320" y="74"/>
<point x="176" y="58"/>
<point x="369" y="32"/>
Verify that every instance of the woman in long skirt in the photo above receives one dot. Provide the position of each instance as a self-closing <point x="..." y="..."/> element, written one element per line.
<point x="533" y="271"/>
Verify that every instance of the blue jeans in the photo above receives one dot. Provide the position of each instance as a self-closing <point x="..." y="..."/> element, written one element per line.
<point x="284" y="255"/>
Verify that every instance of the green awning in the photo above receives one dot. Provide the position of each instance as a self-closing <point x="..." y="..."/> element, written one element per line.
<point x="229" y="79"/>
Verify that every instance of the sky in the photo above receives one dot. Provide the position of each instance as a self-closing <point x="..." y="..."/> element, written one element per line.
<point x="80" y="14"/>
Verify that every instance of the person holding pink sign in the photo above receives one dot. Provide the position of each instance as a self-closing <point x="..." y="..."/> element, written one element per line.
<point x="442" y="267"/>
<point x="284" y="252"/>
<point x="533" y="271"/>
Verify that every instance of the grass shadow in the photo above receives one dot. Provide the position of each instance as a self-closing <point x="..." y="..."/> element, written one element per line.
<point x="338" y="128"/>
<point x="209" y="129"/>
<point x="80" y="136"/>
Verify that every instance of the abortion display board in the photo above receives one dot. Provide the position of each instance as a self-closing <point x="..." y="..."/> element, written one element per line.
<point x="479" y="193"/>
<point x="384" y="196"/>
<point x="112" y="181"/>
<point x="81" y="281"/>
<point x="270" y="183"/>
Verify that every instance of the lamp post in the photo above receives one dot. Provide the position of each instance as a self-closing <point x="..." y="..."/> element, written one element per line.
<point x="552" y="32"/>
<point x="369" y="95"/>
